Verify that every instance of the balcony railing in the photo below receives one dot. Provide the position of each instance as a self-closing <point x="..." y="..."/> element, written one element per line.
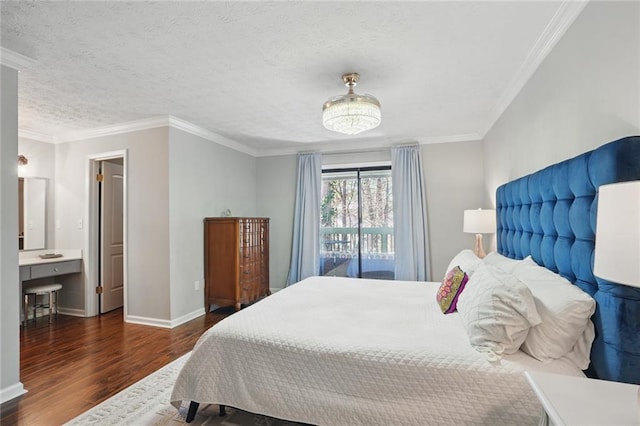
<point x="374" y="240"/>
<point x="339" y="252"/>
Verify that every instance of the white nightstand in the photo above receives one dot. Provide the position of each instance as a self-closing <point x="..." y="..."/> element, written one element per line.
<point x="569" y="400"/>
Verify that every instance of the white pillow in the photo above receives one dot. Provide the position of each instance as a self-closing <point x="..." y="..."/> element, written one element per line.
<point x="580" y="355"/>
<point x="505" y="263"/>
<point x="497" y="311"/>
<point x="466" y="260"/>
<point x="566" y="315"/>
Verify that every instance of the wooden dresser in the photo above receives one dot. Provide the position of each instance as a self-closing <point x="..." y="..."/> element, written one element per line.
<point x="236" y="260"/>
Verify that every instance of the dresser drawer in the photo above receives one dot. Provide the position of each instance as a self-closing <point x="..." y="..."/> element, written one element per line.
<point x="53" y="269"/>
<point x="25" y="273"/>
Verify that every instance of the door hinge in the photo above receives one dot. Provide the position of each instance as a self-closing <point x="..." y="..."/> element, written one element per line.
<point x="99" y="177"/>
<point x="99" y="289"/>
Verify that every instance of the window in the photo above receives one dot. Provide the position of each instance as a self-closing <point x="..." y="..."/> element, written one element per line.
<point x="356" y="223"/>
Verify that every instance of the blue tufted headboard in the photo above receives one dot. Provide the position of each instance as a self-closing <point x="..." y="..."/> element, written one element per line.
<point x="551" y="215"/>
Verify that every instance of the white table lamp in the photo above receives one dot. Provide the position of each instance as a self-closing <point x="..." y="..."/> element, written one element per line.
<point x="479" y="222"/>
<point x="617" y="256"/>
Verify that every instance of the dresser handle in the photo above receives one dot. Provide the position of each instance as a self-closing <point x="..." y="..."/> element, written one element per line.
<point x="55" y="269"/>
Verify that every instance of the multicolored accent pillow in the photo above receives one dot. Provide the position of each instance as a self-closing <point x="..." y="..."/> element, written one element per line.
<point x="450" y="289"/>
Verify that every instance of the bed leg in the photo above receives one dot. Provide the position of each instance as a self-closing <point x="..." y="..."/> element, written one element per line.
<point x="223" y="411"/>
<point x="191" y="414"/>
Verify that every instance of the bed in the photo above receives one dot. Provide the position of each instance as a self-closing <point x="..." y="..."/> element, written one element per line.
<point x="384" y="353"/>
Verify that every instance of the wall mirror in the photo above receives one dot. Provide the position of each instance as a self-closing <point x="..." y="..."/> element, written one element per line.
<point x="32" y="213"/>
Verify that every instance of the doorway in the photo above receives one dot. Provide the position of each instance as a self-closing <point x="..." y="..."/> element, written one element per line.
<point x="356" y="230"/>
<point x="111" y="244"/>
<point x="107" y="246"/>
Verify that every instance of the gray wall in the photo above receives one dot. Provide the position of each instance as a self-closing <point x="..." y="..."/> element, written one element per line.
<point x="10" y="385"/>
<point x="205" y="179"/>
<point x="174" y="179"/>
<point x="276" y="190"/>
<point x="584" y="94"/>
<point x="454" y="182"/>
<point x="147" y="178"/>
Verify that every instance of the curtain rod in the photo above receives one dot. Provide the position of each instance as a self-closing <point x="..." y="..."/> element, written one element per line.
<point x="361" y="150"/>
<point x="356" y="151"/>
<point x="379" y="149"/>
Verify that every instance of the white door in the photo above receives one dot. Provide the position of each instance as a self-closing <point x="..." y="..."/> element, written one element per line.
<point x="111" y="236"/>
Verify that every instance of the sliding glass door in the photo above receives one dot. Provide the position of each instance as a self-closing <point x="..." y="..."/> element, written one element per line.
<point x="356" y="233"/>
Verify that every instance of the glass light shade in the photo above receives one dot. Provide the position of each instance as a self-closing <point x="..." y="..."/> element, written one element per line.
<point x="351" y="114"/>
<point x="22" y="165"/>
<point x="479" y="221"/>
<point x="617" y="254"/>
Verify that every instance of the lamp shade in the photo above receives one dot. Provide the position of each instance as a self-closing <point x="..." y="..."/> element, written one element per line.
<point x="479" y="221"/>
<point x="617" y="256"/>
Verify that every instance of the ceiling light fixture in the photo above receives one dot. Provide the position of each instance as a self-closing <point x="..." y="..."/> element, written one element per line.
<point x="351" y="113"/>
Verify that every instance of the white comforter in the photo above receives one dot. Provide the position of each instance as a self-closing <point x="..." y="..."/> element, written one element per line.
<point x="340" y="351"/>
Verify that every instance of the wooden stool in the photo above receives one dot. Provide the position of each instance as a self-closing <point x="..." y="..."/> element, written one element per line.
<point x="50" y="289"/>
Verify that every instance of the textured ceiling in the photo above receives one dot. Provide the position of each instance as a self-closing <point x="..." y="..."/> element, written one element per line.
<point x="259" y="72"/>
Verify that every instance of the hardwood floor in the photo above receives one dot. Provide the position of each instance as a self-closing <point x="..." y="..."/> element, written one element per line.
<point x="75" y="363"/>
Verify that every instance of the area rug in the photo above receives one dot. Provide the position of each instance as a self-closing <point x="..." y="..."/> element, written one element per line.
<point x="147" y="403"/>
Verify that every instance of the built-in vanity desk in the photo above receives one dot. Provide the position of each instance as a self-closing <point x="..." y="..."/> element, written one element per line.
<point x="32" y="266"/>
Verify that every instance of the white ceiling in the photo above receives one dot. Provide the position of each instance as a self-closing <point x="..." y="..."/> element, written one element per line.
<point x="258" y="72"/>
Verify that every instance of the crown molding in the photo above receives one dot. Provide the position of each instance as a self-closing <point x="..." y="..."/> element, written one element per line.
<point x="566" y="14"/>
<point x="15" y="60"/>
<point x="468" y="137"/>
<point x="152" y="123"/>
<point x="365" y="145"/>
<point x="333" y="147"/>
<point x="130" y="126"/>
<point x="77" y="135"/>
<point x="37" y="136"/>
<point x="185" y="126"/>
<point x="133" y="126"/>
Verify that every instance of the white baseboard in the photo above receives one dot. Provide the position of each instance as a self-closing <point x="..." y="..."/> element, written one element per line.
<point x="72" y="312"/>
<point x="164" y="323"/>
<point x="188" y="317"/>
<point x="10" y="392"/>
<point x="275" y="289"/>
<point x="64" y="311"/>
<point x="133" y="319"/>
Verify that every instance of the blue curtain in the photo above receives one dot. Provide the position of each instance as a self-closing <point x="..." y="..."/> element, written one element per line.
<point x="409" y="214"/>
<point x="305" y="248"/>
